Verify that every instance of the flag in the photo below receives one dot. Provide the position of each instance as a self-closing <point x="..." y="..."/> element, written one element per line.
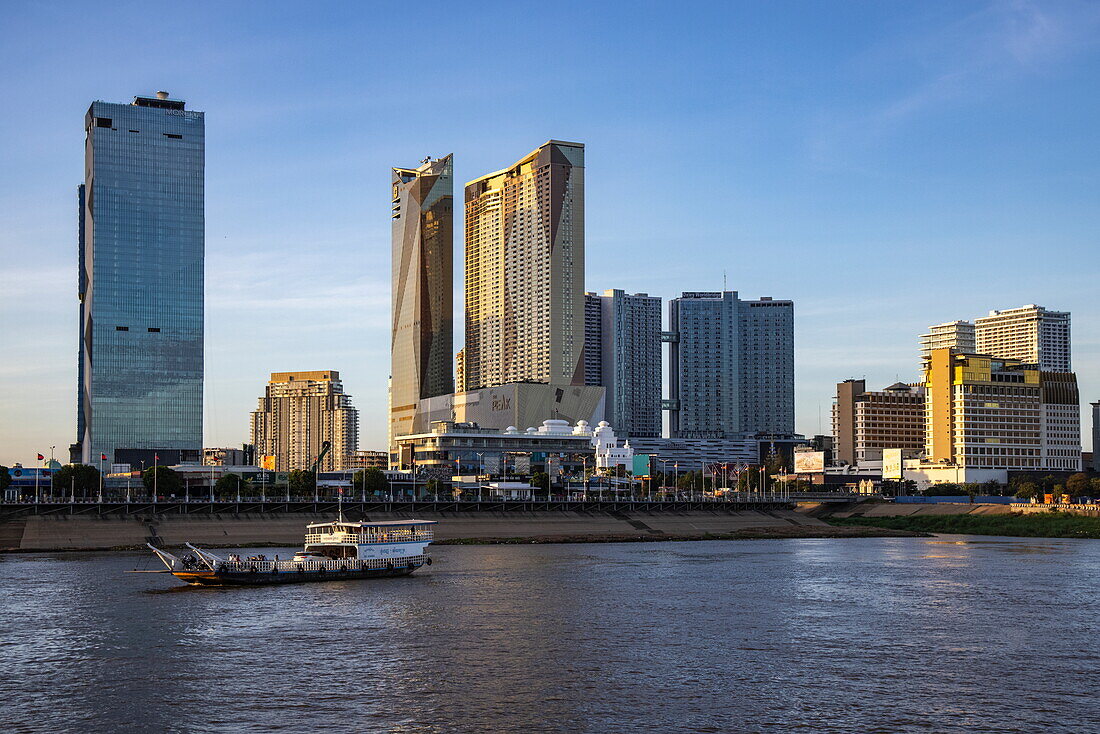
<point x="41" y="457"/>
<point x="103" y="457"/>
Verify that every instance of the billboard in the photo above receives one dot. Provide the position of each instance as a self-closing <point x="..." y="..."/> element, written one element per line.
<point x="891" y="464"/>
<point x="809" y="462"/>
<point x="641" y="465"/>
<point x="523" y="464"/>
<point x="267" y="461"/>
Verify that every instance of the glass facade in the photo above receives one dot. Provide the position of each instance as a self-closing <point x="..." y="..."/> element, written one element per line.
<point x="141" y="278"/>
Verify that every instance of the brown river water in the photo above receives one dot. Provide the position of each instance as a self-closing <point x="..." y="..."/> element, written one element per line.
<point x="888" y="635"/>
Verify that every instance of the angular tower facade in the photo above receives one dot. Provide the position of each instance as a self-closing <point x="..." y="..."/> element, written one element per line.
<point x="525" y="303"/>
<point x="422" y="305"/>
<point x="141" y="250"/>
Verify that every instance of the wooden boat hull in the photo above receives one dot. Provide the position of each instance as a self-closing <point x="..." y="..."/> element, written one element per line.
<point x="265" y="578"/>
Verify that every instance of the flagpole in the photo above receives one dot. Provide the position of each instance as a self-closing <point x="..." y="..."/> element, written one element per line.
<point x="100" y="499"/>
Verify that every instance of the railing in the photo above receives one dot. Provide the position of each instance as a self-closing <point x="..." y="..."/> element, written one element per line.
<point x="420" y="536"/>
<point x="336" y="564"/>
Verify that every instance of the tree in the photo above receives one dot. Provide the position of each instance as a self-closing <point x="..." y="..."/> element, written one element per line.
<point x="371" y="480"/>
<point x="992" y="487"/>
<point x="541" y="480"/>
<point x="433" y="487"/>
<point x="1094" y="486"/>
<point x="227" y="485"/>
<point x="1078" y="484"/>
<point x="162" y="479"/>
<point x="1027" y="490"/>
<point x="76" y="478"/>
<point x="971" y="489"/>
<point x="947" y="489"/>
<point x="302" y="481"/>
<point x="1048" y="482"/>
<point x="5" y="478"/>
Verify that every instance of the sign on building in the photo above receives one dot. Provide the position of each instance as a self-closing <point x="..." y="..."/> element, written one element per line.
<point x="809" y="462"/>
<point x="891" y="463"/>
<point x="523" y="464"/>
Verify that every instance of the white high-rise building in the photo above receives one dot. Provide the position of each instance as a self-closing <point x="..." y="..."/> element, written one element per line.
<point x="954" y="334"/>
<point x="1031" y="334"/>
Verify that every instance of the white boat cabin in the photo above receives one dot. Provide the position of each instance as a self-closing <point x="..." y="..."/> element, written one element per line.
<point x="369" y="540"/>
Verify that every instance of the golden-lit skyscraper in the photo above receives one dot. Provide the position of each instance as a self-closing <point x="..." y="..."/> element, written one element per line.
<point x="422" y="307"/>
<point x="525" y="271"/>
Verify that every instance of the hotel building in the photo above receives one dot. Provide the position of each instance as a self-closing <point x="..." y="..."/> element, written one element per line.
<point x="984" y="412"/>
<point x="866" y="422"/>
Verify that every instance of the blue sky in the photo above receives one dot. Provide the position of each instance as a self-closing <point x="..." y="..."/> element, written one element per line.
<point x="886" y="165"/>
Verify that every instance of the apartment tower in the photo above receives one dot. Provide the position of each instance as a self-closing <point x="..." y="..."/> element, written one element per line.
<point x="622" y="352"/>
<point x="140" y="280"/>
<point x="1031" y="334"/>
<point x="731" y="369"/>
<point x="422" y="303"/>
<point x="954" y="334"/>
<point x="525" y="271"/>
<point x="297" y="414"/>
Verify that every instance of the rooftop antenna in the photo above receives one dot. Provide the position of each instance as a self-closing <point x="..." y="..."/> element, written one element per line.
<point x="723" y="279"/>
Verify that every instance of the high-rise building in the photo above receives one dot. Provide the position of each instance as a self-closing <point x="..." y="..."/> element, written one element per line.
<point x="1095" y="436"/>
<point x="622" y="352"/>
<point x="297" y="414"/>
<point x="140" y="279"/>
<point x="593" y="339"/>
<point x="954" y="334"/>
<point x="866" y="422"/>
<point x="525" y="271"/>
<point x="731" y="367"/>
<point x="422" y="308"/>
<point x="1031" y="334"/>
<point x="983" y="412"/>
<point x="460" y="370"/>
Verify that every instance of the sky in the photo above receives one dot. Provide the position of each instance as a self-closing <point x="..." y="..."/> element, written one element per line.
<point x="885" y="165"/>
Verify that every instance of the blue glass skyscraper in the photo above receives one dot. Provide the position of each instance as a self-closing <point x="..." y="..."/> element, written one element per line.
<point x="142" y="247"/>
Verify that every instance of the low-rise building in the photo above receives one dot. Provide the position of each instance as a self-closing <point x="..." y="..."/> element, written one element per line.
<point x="243" y="456"/>
<point x="367" y="460"/>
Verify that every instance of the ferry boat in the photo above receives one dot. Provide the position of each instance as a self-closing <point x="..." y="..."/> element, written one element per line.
<point x="333" y="550"/>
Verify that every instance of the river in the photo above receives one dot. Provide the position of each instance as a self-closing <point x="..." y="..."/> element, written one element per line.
<point x="891" y="635"/>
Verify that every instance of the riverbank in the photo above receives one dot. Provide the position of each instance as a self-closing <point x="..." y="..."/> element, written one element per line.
<point x="1039" y="525"/>
<point x="85" y="533"/>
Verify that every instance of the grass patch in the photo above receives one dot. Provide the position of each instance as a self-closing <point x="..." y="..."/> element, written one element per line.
<point x="1037" y="525"/>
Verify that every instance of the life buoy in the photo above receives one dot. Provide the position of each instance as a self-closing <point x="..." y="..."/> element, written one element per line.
<point x="428" y="561"/>
<point x="252" y="568"/>
<point x="300" y="569"/>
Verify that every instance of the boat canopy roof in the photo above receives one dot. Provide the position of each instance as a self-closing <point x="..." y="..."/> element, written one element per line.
<point x="379" y="524"/>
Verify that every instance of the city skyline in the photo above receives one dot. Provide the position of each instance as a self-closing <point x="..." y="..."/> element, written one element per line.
<point x="296" y="270"/>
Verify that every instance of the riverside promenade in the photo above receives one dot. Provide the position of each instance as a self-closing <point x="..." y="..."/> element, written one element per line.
<point x="98" y="526"/>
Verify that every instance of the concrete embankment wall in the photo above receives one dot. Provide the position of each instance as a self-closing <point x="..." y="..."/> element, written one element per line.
<point x="890" y="509"/>
<point x="93" y="533"/>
